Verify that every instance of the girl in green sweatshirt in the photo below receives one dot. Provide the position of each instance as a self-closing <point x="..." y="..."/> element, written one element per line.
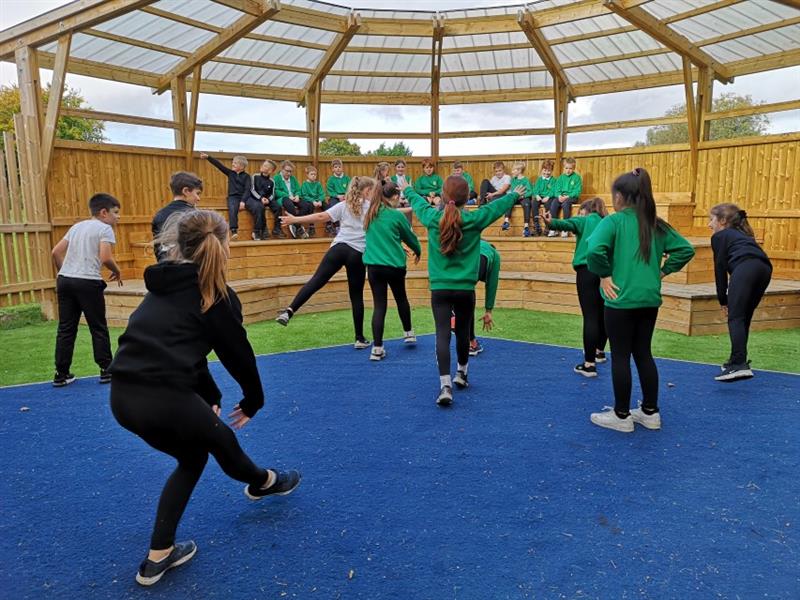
<point x="453" y="262"/>
<point x="387" y="229"/>
<point x="626" y="251"/>
<point x="588" y="284"/>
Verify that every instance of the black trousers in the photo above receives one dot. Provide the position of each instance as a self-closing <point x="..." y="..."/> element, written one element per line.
<point x="630" y="332"/>
<point x="526" y="209"/>
<point x="179" y="423"/>
<point x="76" y="296"/>
<point x="382" y="277"/>
<point x="565" y="207"/>
<point x="258" y="210"/>
<point x="486" y="187"/>
<point x="592" y="305"/>
<point x="444" y="303"/>
<point x="233" y="213"/>
<point x="338" y="256"/>
<point x="298" y="209"/>
<point x="746" y="287"/>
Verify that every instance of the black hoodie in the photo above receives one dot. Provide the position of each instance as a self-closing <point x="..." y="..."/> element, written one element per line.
<point x="168" y="338"/>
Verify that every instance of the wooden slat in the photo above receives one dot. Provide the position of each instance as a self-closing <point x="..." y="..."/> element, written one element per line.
<point x="117" y="118"/>
<point x="625" y="124"/>
<point x="252" y="130"/>
<point x="192" y="117"/>
<point x="179" y="115"/>
<point x="54" y="101"/>
<point x="753" y="110"/>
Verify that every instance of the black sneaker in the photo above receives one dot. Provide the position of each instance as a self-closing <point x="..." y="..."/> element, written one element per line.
<point x="582" y="369"/>
<point x="285" y="483"/>
<point x="445" y="396"/>
<point x="150" y="572"/>
<point x="600" y="357"/>
<point x="293" y="229"/>
<point x="312" y="231"/>
<point x="62" y="379"/>
<point x="105" y="376"/>
<point x="278" y="233"/>
<point x="461" y="380"/>
<point x="283" y="318"/>
<point x="735" y="373"/>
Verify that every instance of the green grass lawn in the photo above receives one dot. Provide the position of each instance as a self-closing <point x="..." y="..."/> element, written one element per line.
<point x="26" y="354"/>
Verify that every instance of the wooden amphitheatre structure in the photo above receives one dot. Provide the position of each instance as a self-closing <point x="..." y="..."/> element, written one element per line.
<point x="311" y="53"/>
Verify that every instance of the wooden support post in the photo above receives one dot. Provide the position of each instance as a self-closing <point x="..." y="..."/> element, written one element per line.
<point x="178" y="91"/>
<point x="560" y="103"/>
<point x="436" y="70"/>
<point x="192" y="121"/>
<point x="705" y="97"/>
<point x="29" y="129"/>
<point x="54" y="102"/>
<point x="313" y="106"/>
<point x="691" y="121"/>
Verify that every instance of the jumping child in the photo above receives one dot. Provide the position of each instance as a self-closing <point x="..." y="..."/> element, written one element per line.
<point x="736" y="253"/>
<point x="625" y="251"/>
<point x="188" y="312"/>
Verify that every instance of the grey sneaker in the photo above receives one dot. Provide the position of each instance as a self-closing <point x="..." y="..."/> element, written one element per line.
<point x="735" y="373"/>
<point x="378" y="353"/>
<point x="445" y="396"/>
<point x="361" y="344"/>
<point x="610" y="420"/>
<point x="642" y="418"/>
<point x="460" y="380"/>
<point x="410" y="338"/>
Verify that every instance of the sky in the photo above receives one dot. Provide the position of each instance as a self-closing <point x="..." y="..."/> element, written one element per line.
<point x="110" y="96"/>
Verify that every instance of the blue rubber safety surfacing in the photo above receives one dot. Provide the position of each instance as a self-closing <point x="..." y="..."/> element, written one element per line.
<point x="511" y="493"/>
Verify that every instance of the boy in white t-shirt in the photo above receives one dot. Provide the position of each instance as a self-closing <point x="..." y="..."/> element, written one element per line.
<point x="497" y="186"/>
<point x="86" y="247"/>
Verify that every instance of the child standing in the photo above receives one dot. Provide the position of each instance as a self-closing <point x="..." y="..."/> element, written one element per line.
<point x="518" y="179"/>
<point x="188" y="312"/>
<point x="312" y="192"/>
<point x="453" y="263"/>
<point x="387" y="229"/>
<point x="264" y="192"/>
<point x="588" y="284"/>
<point x="186" y="189"/>
<point x="336" y="189"/>
<point x="543" y="194"/>
<point x="86" y="247"/>
<point x="458" y="171"/>
<point x="489" y="273"/>
<point x="429" y="186"/>
<point x="736" y="253"/>
<point x="347" y="250"/>
<point x="568" y="189"/>
<point x="287" y="194"/>
<point x="239" y="188"/>
<point x="625" y="251"/>
<point x="497" y="186"/>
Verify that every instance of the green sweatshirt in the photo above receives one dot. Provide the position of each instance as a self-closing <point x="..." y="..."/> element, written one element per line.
<point x="582" y="227"/>
<point x="282" y="192"/>
<point x="459" y="271"/>
<point x="427" y="184"/>
<point x="492" y="272"/>
<point x="545" y="188"/>
<point x="524" y="182"/>
<point x="409" y="180"/>
<point x="384" y="236"/>
<point x="337" y="186"/>
<point x="312" y="191"/>
<point x="470" y="182"/>
<point x="569" y="185"/>
<point x="614" y="251"/>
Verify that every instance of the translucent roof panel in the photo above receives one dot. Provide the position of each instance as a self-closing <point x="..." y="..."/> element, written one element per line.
<point x="495" y="39"/>
<point x="251" y="75"/>
<point x="508" y="82"/>
<point x="753" y="46"/>
<point x="392" y="85"/>
<point x="383" y="41"/>
<point x="732" y="19"/>
<point x="205" y="11"/>
<point x="382" y="63"/>
<point x="487" y="61"/>
<point x="605" y="47"/>
<point x="636" y="67"/>
<point x="295" y="32"/>
<point x="585" y="26"/>
<point x="157" y="30"/>
<point x="284" y="54"/>
<point x="108" y="52"/>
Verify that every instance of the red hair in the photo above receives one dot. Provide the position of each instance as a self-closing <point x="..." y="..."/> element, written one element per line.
<point x="454" y="195"/>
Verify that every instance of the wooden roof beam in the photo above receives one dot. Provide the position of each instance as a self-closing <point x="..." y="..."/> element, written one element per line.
<point x="671" y="39"/>
<point x="250" y="7"/>
<point x="331" y="56"/>
<point x="527" y="22"/>
<point x="220" y="42"/>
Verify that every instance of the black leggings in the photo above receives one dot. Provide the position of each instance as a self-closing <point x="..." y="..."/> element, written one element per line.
<point x="179" y="423"/>
<point x="444" y="303"/>
<point x="381" y="276"/>
<point x="746" y="287"/>
<point x="630" y="331"/>
<point x="565" y="207"/>
<point x="594" y="330"/>
<point x="338" y="256"/>
<point x="526" y="209"/>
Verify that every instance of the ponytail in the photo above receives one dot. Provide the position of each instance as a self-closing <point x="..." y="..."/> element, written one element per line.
<point x="637" y="192"/>
<point x="200" y="239"/>
<point x="733" y="217"/>
<point x="381" y="194"/>
<point x="595" y="205"/>
<point x="454" y="194"/>
<point x="354" y="195"/>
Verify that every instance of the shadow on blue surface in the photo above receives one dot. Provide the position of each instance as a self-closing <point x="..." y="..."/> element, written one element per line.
<point x="511" y="493"/>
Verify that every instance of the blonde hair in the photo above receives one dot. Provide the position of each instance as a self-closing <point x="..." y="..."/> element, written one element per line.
<point x="382" y="193"/>
<point x="355" y="193"/>
<point x="379" y="168"/>
<point x="271" y="163"/>
<point x="241" y="161"/>
<point x="335" y="162"/>
<point x="569" y="161"/>
<point x="310" y="168"/>
<point x="521" y="166"/>
<point x="287" y="162"/>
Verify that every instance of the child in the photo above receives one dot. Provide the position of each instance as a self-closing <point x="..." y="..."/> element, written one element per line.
<point x="346" y="251"/>
<point x="458" y="171"/>
<point x="386" y="230"/>
<point x="625" y="251"/>
<point x="264" y="192"/>
<point x="239" y="187"/>
<point x="497" y="186"/>
<point x="453" y="262"/>
<point x="381" y="174"/>
<point x="287" y="194"/>
<point x="518" y="178"/>
<point x="568" y="188"/>
<point x="86" y="247"/>
<point x="400" y="177"/>
<point x="429" y="186"/>
<point x="543" y="194"/>
<point x="489" y="273"/>
<point x="186" y="189"/>
<point x="588" y="284"/>
<point x="737" y="253"/>
<point x="188" y="312"/>
<point x="312" y="192"/>
<point x="336" y="189"/>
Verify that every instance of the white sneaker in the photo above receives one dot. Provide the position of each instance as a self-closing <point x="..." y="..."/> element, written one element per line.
<point x="378" y="353"/>
<point x="564" y="234"/>
<point x="551" y="233"/>
<point x="610" y="420"/>
<point x="649" y="421"/>
<point x="410" y="338"/>
<point x="361" y="344"/>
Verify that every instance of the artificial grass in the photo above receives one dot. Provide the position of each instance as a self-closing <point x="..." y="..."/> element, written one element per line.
<point x="26" y="353"/>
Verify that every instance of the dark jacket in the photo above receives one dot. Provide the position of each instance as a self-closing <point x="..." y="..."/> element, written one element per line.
<point x="161" y="218"/>
<point x="263" y="187"/>
<point x="239" y="184"/>
<point x="732" y="247"/>
<point x="168" y="338"/>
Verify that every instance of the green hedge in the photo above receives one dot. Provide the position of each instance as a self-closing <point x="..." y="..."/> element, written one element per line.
<point x="12" y="317"/>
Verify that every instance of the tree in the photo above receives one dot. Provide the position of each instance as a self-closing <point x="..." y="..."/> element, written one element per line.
<point x="338" y="147"/>
<point x="69" y="128"/>
<point x="399" y="149"/>
<point x="721" y="129"/>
